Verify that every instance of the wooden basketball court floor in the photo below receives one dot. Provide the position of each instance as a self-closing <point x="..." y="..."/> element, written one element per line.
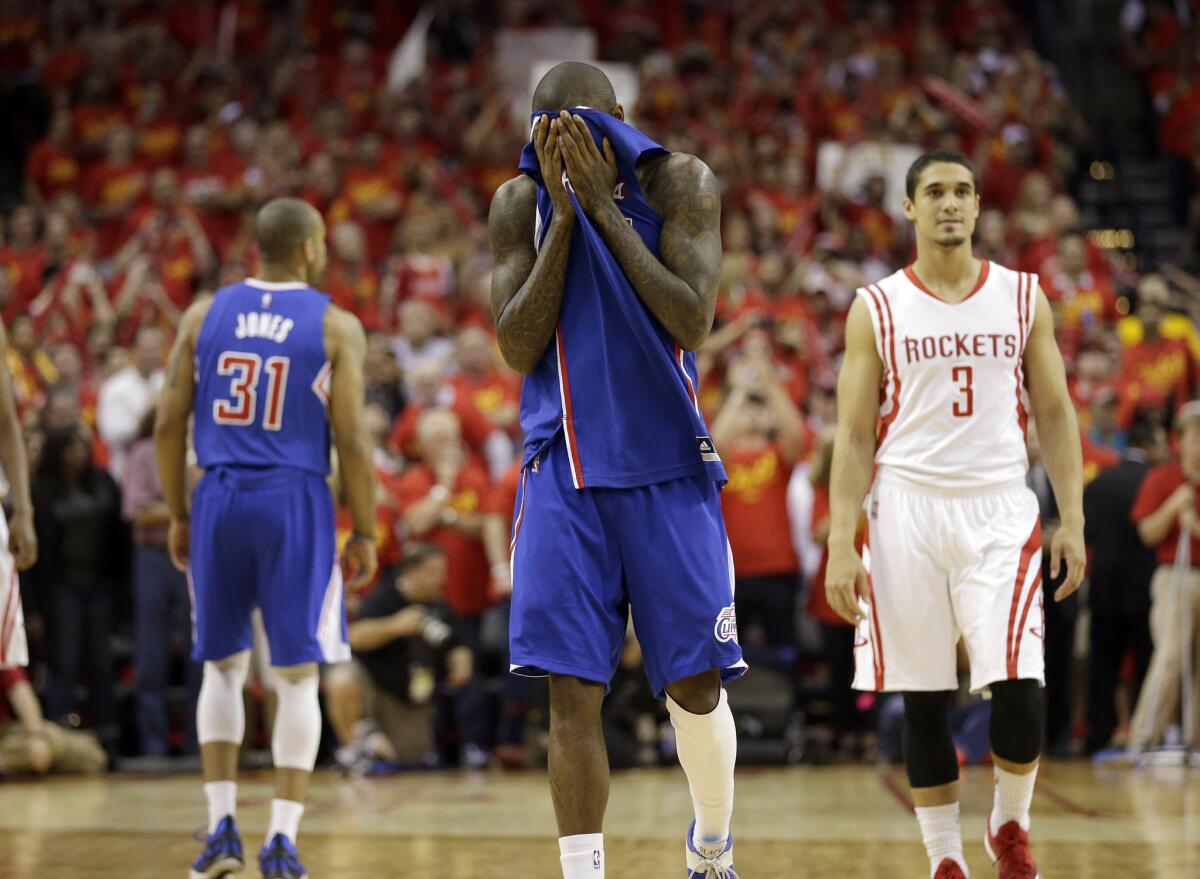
<point x="803" y="822"/>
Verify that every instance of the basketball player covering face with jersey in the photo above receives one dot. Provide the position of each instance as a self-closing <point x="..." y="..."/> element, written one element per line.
<point x="606" y="252"/>
<point x="944" y="362"/>
<point x="269" y="366"/>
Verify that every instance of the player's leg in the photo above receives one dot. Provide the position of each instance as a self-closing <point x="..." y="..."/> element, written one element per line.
<point x="997" y="594"/>
<point x="294" y="744"/>
<point x="578" y="765"/>
<point x="299" y="587"/>
<point x="679" y="574"/>
<point x="343" y="700"/>
<point x="568" y="621"/>
<point x="907" y="643"/>
<point x="932" y="766"/>
<point x="222" y="599"/>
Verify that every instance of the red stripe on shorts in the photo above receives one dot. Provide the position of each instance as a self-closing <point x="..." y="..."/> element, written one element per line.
<point x="1031" y="546"/>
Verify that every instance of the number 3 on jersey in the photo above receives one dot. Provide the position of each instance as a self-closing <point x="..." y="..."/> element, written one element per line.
<point x="245" y="370"/>
<point x="964" y="407"/>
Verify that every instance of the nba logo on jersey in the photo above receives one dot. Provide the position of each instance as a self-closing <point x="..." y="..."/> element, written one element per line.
<point x="726" y="627"/>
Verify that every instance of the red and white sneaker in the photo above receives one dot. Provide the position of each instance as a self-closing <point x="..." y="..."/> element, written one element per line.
<point x="1009" y="850"/>
<point x="949" y="869"/>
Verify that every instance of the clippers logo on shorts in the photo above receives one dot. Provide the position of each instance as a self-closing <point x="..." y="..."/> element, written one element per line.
<point x="726" y="627"/>
<point x="708" y="451"/>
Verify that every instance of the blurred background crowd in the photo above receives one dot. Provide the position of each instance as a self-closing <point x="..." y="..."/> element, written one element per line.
<point x="140" y="137"/>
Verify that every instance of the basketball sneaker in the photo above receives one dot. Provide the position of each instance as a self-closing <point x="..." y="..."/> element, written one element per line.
<point x="1009" y="850"/>
<point x="949" y="869"/>
<point x="709" y="863"/>
<point x="222" y="853"/>
<point x="280" y="860"/>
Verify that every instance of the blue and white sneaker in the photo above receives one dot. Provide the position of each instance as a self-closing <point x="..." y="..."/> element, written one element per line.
<point x="709" y="863"/>
<point x="280" y="860"/>
<point x="222" y="853"/>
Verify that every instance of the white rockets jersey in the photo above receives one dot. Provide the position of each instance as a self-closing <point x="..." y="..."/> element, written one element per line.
<point x="952" y="402"/>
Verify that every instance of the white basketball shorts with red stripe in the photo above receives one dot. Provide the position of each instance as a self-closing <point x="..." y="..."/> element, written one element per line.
<point x="13" y="649"/>
<point x="949" y="565"/>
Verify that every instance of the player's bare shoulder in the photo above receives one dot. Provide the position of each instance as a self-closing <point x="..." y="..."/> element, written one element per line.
<point x="344" y="335"/>
<point x="680" y="179"/>
<point x="514" y="204"/>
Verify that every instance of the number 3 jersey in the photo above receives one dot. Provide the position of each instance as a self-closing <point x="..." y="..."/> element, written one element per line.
<point x="952" y="402"/>
<point x="262" y="378"/>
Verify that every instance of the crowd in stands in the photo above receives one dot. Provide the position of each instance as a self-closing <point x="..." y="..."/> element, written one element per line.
<point x="153" y="132"/>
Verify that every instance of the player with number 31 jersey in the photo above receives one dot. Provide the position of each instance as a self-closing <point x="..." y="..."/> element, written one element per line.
<point x="268" y="368"/>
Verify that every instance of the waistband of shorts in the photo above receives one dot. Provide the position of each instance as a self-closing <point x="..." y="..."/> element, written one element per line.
<point x="894" y="480"/>
<point x="250" y="478"/>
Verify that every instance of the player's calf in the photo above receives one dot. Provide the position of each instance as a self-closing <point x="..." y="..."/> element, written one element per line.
<point x="578" y="764"/>
<point x="706" y="740"/>
<point x="1016" y="733"/>
<point x="932" y="765"/>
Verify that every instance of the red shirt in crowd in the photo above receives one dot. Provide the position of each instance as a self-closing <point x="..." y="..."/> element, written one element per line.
<point x="1084" y="301"/>
<point x="1167" y="366"/>
<point x="52" y="169"/>
<point x="488" y="393"/>
<point x="755" y="506"/>
<point x="1159" y="484"/>
<point x="119" y="189"/>
<point x="466" y="561"/>
<point x="24" y="267"/>
<point x="475" y="428"/>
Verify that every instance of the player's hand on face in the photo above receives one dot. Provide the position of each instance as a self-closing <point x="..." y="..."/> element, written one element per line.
<point x="179" y="543"/>
<point x="845" y="582"/>
<point x="1067" y="548"/>
<point x="593" y="174"/>
<point x="22" y="540"/>
<point x="548" y="146"/>
<point x="361" y="563"/>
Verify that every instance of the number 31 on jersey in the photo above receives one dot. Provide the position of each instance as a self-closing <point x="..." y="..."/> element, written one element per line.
<point x="246" y="371"/>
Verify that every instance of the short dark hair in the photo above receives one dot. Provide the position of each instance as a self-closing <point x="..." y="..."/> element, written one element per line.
<point x="574" y="84"/>
<point x="934" y="157"/>
<point x="282" y="225"/>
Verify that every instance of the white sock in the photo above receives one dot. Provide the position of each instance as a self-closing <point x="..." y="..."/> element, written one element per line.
<point x="285" y="819"/>
<point x="582" y="856"/>
<point x="942" y="835"/>
<point x="707" y="746"/>
<point x="222" y="801"/>
<point x="1014" y="794"/>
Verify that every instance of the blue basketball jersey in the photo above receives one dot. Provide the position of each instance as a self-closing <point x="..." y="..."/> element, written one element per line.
<point x="613" y="380"/>
<point x="262" y="378"/>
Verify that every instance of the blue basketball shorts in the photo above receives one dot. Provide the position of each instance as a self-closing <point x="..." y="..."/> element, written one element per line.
<point x="582" y="559"/>
<point x="266" y="539"/>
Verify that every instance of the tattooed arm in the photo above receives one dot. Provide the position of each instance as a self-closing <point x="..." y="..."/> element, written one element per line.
<point x="527" y="283"/>
<point x="171" y="422"/>
<point x="681" y="289"/>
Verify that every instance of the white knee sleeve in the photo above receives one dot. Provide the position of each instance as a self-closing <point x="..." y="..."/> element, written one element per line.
<point x="707" y="746"/>
<point x="297" y="732"/>
<point x="220" y="715"/>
